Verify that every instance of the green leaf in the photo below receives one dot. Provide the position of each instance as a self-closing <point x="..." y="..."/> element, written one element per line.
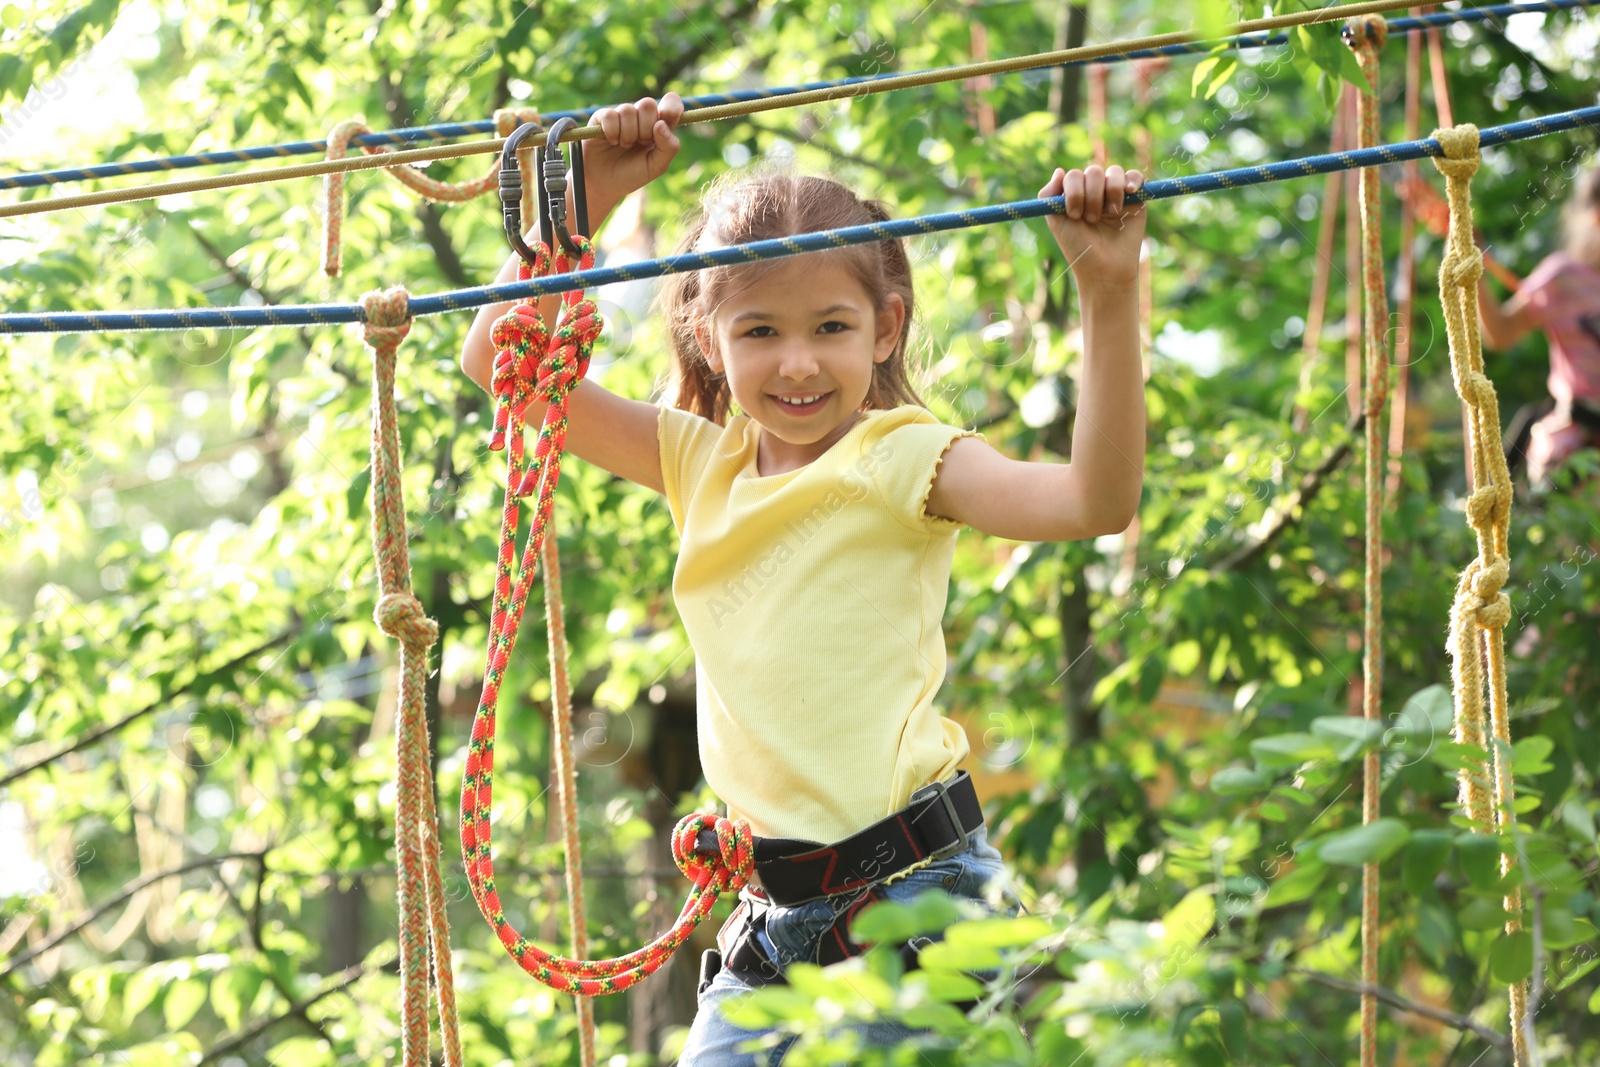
<point x="945" y="956"/>
<point x="1563" y="930"/>
<point x="1529" y="756"/>
<point x="1577" y="974"/>
<point x="894" y="922"/>
<point x="1482" y="913"/>
<point x="1190" y="919"/>
<point x="1577" y="817"/>
<point x="1297" y="885"/>
<point x="1000" y="931"/>
<point x="1232" y="780"/>
<point x="1184" y="657"/>
<point x="1353" y="735"/>
<point x="1511" y="957"/>
<point x="1373" y="843"/>
<point x="1223" y="74"/>
<point x="1290" y="750"/>
<point x="1424" y="859"/>
<point x="1202" y="70"/>
<point x="951" y="986"/>
<point x="355" y="497"/>
<point x="183" y="1000"/>
<point x="1480" y="859"/>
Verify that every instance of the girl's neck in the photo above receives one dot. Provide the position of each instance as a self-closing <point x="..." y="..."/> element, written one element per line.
<point x="774" y="455"/>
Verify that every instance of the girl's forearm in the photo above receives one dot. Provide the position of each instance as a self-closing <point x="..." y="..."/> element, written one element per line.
<point x="1108" y="436"/>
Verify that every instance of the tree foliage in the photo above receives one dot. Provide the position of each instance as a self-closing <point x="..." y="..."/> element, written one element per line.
<point x="187" y="652"/>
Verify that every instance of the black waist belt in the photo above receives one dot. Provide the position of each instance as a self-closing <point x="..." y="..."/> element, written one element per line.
<point x="937" y="824"/>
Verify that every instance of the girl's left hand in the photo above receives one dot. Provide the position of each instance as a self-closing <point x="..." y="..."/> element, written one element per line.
<point x="1101" y="232"/>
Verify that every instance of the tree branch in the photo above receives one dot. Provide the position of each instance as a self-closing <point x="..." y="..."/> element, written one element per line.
<point x="662" y="79"/>
<point x="104" y="730"/>
<point x="1310" y="485"/>
<point x="340" y="982"/>
<point x="1390" y="997"/>
<point x="123" y="894"/>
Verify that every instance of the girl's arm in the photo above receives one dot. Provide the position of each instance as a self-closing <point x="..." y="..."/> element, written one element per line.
<point x="1098" y="491"/>
<point x="605" y="429"/>
<point x="1503" y="324"/>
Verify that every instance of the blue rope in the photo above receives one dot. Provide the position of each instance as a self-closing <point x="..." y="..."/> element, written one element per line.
<point x="413" y="134"/>
<point x="461" y="299"/>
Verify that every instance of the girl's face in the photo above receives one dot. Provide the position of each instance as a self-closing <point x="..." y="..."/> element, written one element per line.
<point x="798" y="349"/>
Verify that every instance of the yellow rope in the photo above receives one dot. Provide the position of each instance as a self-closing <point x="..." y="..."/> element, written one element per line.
<point x="705" y="114"/>
<point x="506" y="120"/>
<point x="1481" y="610"/>
<point x="1366" y="36"/>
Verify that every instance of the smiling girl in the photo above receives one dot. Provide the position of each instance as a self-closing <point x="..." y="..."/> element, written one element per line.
<point x="817" y="503"/>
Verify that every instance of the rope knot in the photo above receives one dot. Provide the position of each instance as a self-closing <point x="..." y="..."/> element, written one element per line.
<point x="400" y="615"/>
<point x="1485" y="582"/>
<point x="385" y="317"/>
<point x="730" y="867"/>
<point x="1461" y="268"/>
<point x="1366" y="30"/>
<point x="1460" y="146"/>
<point x="1488" y="505"/>
<point x="507" y="119"/>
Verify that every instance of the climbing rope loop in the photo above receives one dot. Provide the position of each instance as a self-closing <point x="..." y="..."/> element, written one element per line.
<point x="536" y="365"/>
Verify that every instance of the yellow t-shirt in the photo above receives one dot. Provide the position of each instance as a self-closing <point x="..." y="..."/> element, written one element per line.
<point x="814" y="600"/>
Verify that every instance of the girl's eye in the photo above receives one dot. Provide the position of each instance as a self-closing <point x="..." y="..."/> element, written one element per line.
<point x="760" y="331"/>
<point x="832" y="326"/>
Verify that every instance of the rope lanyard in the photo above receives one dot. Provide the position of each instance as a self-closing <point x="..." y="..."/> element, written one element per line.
<point x="709" y="113"/>
<point x="1481" y="610"/>
<point x="424" y="924"/>
<point x="532" y="367"/>
<point x="1366" y="37"/>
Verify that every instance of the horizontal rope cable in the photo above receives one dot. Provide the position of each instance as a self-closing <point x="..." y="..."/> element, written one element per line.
<point x="703" y="114"/>
<point x="448" y="130"/>
<point x="462" y="299"/>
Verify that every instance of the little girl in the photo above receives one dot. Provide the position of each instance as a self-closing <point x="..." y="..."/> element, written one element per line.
<point x="817" y="503"/>
<point x="1561" y="297"/>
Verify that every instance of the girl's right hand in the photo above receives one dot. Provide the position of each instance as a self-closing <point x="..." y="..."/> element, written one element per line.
<point x="636" y="149"/>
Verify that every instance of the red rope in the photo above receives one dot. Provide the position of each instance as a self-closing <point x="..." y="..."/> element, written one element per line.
<point x="533" y="365"/>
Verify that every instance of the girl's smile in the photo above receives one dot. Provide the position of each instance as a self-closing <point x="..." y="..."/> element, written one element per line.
<point x="798" y="349"/>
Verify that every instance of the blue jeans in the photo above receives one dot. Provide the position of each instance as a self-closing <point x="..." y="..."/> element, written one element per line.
<point x="792" y="935"/>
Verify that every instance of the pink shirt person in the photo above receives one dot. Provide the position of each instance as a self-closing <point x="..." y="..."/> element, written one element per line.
<point x="1562" y="296"/>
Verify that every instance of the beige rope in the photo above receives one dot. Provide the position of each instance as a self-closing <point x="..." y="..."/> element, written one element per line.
<point x="1481" y="610"/>
<point x="704" y="114"/>
<point x="1366" y="36"/>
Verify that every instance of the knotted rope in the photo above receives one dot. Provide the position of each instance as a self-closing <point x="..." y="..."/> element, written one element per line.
<point x="1481" y="610"/>
<point x="530" y="367"/>
<point x="505" y="121"/>
<point x="423" y="920"/>
<point x="1366" y="36"/>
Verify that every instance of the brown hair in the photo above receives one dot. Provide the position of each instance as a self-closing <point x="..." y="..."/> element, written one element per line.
<point x="758" y="207"/>
<point x="1583" y="228"/>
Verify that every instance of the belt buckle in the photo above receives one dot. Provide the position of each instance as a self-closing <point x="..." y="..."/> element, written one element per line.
<point x="942" y="791"/>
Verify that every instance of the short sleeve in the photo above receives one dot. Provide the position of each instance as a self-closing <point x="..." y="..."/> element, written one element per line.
<point x="1538" y="290"/>
<point x="687" y="443"/>
<point x="906" y="462"/>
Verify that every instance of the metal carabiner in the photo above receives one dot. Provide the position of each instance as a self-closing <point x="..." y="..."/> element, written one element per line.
<point x="511" y="189"/>
<point x="553" y="206"/>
